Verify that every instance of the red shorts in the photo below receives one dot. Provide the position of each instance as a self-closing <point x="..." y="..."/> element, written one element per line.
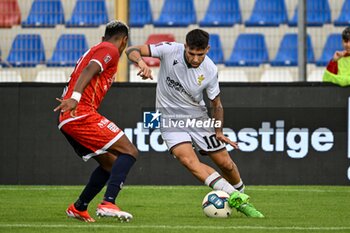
<point x="93" y="132"/>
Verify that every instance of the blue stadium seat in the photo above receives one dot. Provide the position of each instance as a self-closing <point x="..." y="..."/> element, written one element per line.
<point x="215" y="53"/>
<point x="268" y="13"/>
<point x="27" y="50"/>
<point x="224" y="13"/>
<point x="317" y="13"/>
<point x="333" y="43"/>
<point x="88" y="13"/>
<point x="344" y="17"/>
<point x="45" y="13"/>
<point x="69" y="49"/>
<point x="249" y="50"/>
<point x="140" y="13"/>
<point x="287" y="54"/>
<point x="176" y="13"/>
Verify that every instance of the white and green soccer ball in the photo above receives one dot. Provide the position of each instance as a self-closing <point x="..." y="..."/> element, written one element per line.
<point x="215" y="204"/>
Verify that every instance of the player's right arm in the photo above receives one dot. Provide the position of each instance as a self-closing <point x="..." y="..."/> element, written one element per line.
<point x="135" y="54"/>
<point x="86" y="75"/>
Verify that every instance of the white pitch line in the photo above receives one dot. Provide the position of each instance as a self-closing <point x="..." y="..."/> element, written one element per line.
<point x="264" y="189"/>
<point x="118" y="226"/>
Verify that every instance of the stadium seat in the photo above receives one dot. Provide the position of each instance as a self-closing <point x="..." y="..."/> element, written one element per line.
<point x="215" y="53"/>
<point x="27" y="50"/>
<point x="287" y="54"/>
<point x="232" y="75"/>
<point x="51" y="76"/>
<point x="268" y="13"/>
<point x="344" y="17"/>
<point x="154" y="39"/>
<point x="176" y="13"/>
<point x="316" y="75"/>
<point x="10" y="14"/>
<point x="9" y="76"/>
<point x="317" y="13"/>
<point x="333" y="43"/>
<point x="140" y="13"/>
<point x="88" y="13"/>
<point x="223" y="13"/>
<point x="249" y="50"/>
<point x="279" y="75"/>
<point x="45" y="13"/>
<point x="68" y="50"/>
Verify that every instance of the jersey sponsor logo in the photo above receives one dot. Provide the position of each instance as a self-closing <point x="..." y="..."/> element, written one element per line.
<point x="107" y="58"/>
<point x="151" y="120"/>
<point x="200" y="79"/>
<point x="112" y="127"/>
<point x="103" y="123"/>
<point x="176" y="85"/>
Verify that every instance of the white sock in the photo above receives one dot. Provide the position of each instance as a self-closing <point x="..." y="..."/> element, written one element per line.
<point x="217" y="182"/>
<point x="240" y="186"/>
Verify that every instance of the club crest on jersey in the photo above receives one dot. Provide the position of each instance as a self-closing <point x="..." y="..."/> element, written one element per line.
<point x="200" y="79"/>
<point x="107" y="58"/>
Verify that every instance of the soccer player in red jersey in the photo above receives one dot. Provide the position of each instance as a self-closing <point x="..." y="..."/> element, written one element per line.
<point x="91" y="134"/>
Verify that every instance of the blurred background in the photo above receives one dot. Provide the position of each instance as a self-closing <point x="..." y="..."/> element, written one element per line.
<point x="251" y="40"/>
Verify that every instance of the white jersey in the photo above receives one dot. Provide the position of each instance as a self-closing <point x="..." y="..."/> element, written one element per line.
<point x="180" y="87"/>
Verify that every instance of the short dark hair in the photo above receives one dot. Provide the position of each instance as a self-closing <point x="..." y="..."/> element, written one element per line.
<point x="197" y="39"/>
<point x="346" y="34"/>
<point x="116" y="28"/>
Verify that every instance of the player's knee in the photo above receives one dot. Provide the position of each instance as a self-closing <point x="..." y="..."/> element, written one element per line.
<point x="227" y="166"/>
<point x="133" y="151"/>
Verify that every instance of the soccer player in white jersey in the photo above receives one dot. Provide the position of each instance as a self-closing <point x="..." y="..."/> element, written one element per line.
<point x="185" y="72"/>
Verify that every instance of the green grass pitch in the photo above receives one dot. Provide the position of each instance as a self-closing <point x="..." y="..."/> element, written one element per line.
<point x="178" y="209"/>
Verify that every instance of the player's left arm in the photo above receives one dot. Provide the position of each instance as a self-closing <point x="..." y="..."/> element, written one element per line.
<point x="86" y="75"/>
<point x="218" y="114"/>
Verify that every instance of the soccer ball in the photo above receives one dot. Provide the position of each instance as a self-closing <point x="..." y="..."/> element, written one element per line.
<point x="215" y="204"/>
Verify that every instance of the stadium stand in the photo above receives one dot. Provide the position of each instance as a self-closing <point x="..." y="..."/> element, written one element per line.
<point x="154" y="39"/>
<point x="333" y="43"/>
<point x="249" y="50"/>
<point x="45" y="13"/>
<point x="277" y="75"/>
<point x="88" y="13"/>
<point x="235" y="75"/>
<point x="287" y="54"/>
<point x="316" y="75"/>
<point x="223" y="13"/>
<point x="10" y="76"/>
<point x="51" y="76"/>
<point x="10" y="14"/>
<point x="215" y="52"/>
<point x="317" y="13"/>
<point x="177" y="13"/>
<point x="69" y="49"/>
<point x="27" y="50"/>
<point x="140" y="13"/>
<point x="344" y="17"/>
<point x="268" y="13"/>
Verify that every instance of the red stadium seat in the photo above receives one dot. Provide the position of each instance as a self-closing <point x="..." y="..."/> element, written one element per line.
<point x="9" y="13"/>
<point x="154" y="39"/>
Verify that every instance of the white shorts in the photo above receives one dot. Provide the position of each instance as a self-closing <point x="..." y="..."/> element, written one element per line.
<point x="204" y="139"/>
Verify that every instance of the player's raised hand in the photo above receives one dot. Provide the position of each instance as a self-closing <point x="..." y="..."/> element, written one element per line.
<point x="221" y="137"/>
<point x="67" y="105"/>
<point x="145" y="72"/>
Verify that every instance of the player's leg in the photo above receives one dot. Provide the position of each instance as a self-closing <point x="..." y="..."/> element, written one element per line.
<point x="228" y="168"/>
<point x="207" y="143"/>
<point x="188" y="158"/>
<point x="119" y="168"/>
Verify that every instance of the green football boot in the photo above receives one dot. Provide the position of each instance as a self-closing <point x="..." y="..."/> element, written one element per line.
<point x="240" y="202"/>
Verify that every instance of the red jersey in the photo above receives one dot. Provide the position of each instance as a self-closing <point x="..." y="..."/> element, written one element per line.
<point x="106" y="55"/>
